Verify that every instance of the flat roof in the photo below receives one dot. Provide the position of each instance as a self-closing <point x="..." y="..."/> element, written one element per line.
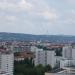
<point x="59" y="73"/>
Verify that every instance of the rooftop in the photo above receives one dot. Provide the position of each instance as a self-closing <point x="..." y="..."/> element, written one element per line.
<point x="59" y="74"/>
<point x="68" y="71"/>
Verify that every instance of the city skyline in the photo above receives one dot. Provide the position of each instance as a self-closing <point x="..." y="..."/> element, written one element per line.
<point x="38" y="17"/>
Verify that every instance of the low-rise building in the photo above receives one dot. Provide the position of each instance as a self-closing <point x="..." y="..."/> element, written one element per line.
<point x="67" y="71"/>
<point x="23" y="55"/>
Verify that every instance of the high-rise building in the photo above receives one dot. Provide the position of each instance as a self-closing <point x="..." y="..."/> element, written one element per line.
<point x="7" y="62"/>
<point x="73" y="53"/>
<point x="68" y="59"/>
<point x="67" y="52"/>
<point x="44" y="57"/>
<point x="3" y="73"/>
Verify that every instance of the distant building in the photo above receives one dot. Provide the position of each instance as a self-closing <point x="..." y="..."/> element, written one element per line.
<point x="19" y="56"/>
<point x="34" y="48"/>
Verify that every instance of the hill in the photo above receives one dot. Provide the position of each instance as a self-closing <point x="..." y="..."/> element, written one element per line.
<point x="29" y="37"/>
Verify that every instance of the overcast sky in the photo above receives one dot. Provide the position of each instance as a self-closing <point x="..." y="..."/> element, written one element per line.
<point x="38" y="16"/>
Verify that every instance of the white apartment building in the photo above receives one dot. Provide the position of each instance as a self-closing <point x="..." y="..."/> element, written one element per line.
<point x="7" y="62"/>
<point x="68" y="57"/>
<point x="73" y="53"/>
<point x="34" y="49"/>
<point x="44" y="57"/>
<point x="65" y="63"/>
<point x="3" y="73"/>
<point x="67" y="52"/>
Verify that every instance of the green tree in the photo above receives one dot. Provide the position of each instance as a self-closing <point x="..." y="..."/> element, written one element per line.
<point x="48" y="68"/>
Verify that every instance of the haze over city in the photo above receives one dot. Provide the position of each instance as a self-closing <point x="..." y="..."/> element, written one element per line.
<point x="38" y="16"/>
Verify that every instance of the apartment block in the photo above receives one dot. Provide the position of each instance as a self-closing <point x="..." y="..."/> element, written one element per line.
<point x="7" y="62"/>
<point x="44" y="57"/>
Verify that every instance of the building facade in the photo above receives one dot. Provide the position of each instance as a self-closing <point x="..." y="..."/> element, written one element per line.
<point x="7" y="62"/>
<point x="67" y="52"/>
<point x="44" y="58"/>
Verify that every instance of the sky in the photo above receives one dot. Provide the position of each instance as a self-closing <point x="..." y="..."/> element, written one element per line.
<point x="45" y="17"/>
